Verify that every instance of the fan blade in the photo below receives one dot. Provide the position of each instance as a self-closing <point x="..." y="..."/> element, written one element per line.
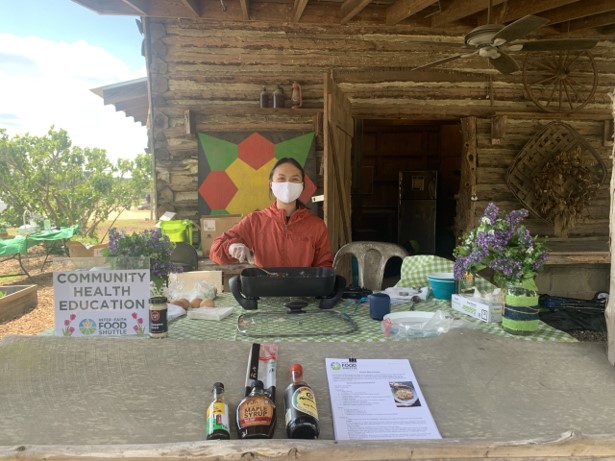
<point x="504" y="63"/>
<point x="518" y="29"/>
<point x="442" y="61"/>
<point x="559" y="44"/>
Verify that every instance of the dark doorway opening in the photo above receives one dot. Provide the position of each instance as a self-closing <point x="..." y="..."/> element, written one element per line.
<point x="382" y="149"/>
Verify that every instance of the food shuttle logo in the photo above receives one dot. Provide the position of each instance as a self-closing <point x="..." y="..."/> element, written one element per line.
<point x="87" y="327"/>
<point x="351" y="364"/>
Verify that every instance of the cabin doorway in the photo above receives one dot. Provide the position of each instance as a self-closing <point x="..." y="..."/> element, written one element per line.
<point x="382" y="149"/>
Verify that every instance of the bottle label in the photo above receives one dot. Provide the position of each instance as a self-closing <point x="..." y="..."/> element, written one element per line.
<point x="255" y="411"/>
<point x="217" y="417"/>
<point x="158" y="321"/>
<point x="304" y="400"/>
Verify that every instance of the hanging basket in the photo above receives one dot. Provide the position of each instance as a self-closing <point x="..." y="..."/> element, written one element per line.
<point x="557" y="137"/>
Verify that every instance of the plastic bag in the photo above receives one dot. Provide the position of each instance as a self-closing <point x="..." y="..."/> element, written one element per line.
<point x="203" y="290"/>
<point x="193" y="298"/>
<point x="423" y="325"/>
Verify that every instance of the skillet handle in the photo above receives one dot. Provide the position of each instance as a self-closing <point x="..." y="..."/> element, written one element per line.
<point x="235" y="285"/>
<point x="338" y="291"/>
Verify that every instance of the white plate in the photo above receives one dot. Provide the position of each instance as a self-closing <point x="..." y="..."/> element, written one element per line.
<point x="408" y="402"/>
<point x="407" y="317"/>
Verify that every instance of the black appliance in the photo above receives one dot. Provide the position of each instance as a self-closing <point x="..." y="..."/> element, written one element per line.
<point x="417" y="210"/>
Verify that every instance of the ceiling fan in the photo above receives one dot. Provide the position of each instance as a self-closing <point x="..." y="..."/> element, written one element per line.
<point x="494" y="41"/>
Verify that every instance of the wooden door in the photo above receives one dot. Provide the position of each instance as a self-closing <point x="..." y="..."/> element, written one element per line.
<point x="338" y="130"/>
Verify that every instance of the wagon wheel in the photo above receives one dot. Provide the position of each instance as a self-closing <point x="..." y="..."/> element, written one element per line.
<point x="561" y="81"/>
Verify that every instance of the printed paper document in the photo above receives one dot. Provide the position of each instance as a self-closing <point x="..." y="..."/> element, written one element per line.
<point x="377" y="399"/>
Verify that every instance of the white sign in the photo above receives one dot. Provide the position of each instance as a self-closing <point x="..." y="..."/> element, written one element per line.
<point x="377" y="399"/>
<point x="102" y="302"/>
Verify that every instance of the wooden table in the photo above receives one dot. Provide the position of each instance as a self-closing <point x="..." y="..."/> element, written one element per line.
<point x="491" y="397"/>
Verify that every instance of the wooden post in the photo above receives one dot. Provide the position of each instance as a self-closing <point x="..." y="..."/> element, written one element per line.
<point x="466" y="199"/>
<point x="610" y="308"/>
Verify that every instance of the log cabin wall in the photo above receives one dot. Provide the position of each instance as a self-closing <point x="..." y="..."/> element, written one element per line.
<point x="207" y="76"/>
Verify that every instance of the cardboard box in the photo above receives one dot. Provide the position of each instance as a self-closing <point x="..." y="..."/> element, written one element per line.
<point x="213" y="226"/>
<point x="477" y="308"/>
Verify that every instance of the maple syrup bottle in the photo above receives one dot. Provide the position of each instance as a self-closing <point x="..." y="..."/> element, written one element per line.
<point x="216" y="419"/>
<point x="301" y="414"/>
<point x="256" y="415"/>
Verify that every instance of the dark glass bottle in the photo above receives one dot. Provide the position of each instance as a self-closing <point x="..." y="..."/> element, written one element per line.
<point x="278" y="98"/>
<point x="301" y="414"/>
<point x="216" y="418"/>
<point x="256" y="415"/>
<point x="264" y="98"/>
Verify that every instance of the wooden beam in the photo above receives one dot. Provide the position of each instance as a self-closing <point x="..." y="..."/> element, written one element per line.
<point x="194" y="6"/>
<point x="607" y="134"/>
<point x="350" y="8"/>
<point x="395" y="75"/>
<point x="298" y="8"/>
<point x="609" y="313"/>
<point x="516" y="10"/>
<point x="403" y="9"/>
<point x="555" y="116"/>
<point x="138" y="5"/>
<point x="459" y="9"/>
<point x="579" y="10"/>
<point x="245" y="9"/>
<point x="189" y="123"/>
<point x="590" y="22"/>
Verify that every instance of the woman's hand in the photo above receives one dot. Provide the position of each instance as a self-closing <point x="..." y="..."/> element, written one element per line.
<point x="239" y="251"/>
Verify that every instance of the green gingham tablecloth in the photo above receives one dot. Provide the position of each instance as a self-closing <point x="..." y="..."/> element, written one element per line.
<point x="414" y="269"/>
<point x="368" y="330"/>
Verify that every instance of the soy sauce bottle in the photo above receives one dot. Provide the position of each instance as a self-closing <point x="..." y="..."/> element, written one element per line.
<point x="256" y="415"/>
<point x="301" y="414"/>
<point x="216" y="418"/>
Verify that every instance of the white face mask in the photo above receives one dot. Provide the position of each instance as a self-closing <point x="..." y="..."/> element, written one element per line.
<point x="287" y="192"/>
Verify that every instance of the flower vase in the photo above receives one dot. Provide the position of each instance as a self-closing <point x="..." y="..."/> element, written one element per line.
<point x="466" y="284"/>
<point x="520" y="314"/>
<point x="158" y="285"/>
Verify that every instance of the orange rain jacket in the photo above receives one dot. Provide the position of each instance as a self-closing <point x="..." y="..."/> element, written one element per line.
<point x="301" y="242"/>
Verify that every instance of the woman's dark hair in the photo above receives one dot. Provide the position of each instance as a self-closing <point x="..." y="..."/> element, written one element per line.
<point x="290" y="160"/>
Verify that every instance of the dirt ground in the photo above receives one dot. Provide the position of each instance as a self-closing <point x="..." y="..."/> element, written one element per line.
<point x="41" y="317"/>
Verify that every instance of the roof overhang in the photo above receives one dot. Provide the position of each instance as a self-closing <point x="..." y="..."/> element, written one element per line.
<point x="129" y="97"/>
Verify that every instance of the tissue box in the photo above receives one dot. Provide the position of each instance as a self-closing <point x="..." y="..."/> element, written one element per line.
<point x="477" y="308"/>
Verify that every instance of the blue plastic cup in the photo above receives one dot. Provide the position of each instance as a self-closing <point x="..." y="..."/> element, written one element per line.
<point x="379" y="305"/>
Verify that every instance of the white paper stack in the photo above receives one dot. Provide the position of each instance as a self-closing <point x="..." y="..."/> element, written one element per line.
<point x="209" y="313"/>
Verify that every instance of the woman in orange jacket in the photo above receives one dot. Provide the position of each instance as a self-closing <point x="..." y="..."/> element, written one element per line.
<point x="286" y="234"/>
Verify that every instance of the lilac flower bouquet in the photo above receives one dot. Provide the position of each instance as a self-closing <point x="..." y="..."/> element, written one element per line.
<point x="504" y="245"/>
<point x="150" y="243"/>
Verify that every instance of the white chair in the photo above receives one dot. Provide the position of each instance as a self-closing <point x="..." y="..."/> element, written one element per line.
<point x="371" y="258"/>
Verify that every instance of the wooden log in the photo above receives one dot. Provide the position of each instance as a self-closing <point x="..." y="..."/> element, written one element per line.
<point x="569" y="445"/>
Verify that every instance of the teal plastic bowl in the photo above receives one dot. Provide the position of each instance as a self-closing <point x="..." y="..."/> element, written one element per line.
<point x="442" y="284"/>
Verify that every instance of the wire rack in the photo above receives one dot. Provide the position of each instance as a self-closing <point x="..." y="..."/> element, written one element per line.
<point x="317" y="323"/>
